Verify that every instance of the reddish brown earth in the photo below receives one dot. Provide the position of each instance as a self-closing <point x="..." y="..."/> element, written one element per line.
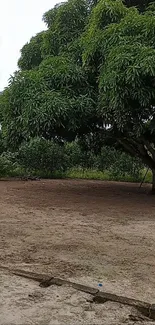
<point x="89" y="231"/>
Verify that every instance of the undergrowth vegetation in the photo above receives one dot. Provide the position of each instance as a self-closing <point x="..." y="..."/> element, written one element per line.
<point x="51" y="159"/>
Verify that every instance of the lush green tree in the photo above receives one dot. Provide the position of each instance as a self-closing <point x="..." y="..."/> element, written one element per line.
<point x="55" y="100"/>
<point x="126" y="75"/>
<point x="65" y="22"/>
<point x="51" y="95"/>
<point x="95" y="65"/>
<point x="31" y="54"/>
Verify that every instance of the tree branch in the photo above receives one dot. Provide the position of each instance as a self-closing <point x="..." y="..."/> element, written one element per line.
<point x="138" y="149"/>
<point x="150" y="149"/>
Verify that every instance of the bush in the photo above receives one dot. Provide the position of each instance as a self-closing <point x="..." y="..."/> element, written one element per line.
<point x="50" y="159"/>
<point x="73" y="151"/>
<point x="77" y="157"/>
<point x="119" y="164"/>
<point x="42" y="155"/>
<point x="7" y="166"/>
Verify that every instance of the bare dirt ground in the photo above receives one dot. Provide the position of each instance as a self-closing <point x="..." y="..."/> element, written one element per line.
<point x="87" y="231"/>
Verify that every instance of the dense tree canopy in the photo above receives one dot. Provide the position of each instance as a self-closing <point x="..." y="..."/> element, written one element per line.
<point x="95" y="65"/>
<point x="31" y="54"/>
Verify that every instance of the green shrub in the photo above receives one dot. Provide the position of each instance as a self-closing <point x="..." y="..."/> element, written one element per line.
<point x="49" y="159"/>
<point x="77" y="157"/>
<point x="42" y="155"/>
<point x="119" y="164"/>
<point x="74" y="153"/>
<point x="6" y="166"/>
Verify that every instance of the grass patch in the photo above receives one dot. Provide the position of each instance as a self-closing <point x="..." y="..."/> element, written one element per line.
<point x="106" y="175"/>
<point x="79" y="173"/>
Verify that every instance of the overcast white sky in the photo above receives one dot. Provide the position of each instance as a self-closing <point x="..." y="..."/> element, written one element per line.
<point x="19" y="21"/>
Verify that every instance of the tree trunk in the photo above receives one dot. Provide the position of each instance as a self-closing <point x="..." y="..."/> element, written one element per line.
<point x="153" y="181"/>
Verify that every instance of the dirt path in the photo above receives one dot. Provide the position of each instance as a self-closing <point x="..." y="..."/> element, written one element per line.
<point x="83" y="230"/>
